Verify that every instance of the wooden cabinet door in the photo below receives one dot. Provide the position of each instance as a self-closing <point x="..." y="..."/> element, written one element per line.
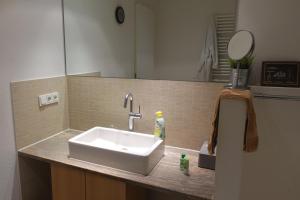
<point x="68" y="183"/>
<point x="134" y="192"/>
<point x="99" y="187"/>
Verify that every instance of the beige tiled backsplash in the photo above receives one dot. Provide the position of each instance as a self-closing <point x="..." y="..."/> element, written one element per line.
<point x="33" y="123"/>
<point x="90" y="101"/>
<point x="188" y="106"/>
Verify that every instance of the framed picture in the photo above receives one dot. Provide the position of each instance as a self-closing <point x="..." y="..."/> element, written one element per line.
<point x="280" y="74"/>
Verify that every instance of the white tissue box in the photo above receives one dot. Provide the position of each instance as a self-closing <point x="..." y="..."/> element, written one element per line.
<point x="206" y="160"/>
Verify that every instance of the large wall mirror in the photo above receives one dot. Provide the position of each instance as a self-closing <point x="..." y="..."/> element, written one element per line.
<point x="159" y="39"/>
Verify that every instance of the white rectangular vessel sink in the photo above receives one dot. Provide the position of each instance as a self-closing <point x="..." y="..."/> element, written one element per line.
<point x="130" y="151"/>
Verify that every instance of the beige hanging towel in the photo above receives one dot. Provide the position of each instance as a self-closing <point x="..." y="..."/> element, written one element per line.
<point x="251" y="137"/>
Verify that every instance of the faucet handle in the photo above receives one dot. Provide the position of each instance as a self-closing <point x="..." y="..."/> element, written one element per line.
<point x="139" y="114"/>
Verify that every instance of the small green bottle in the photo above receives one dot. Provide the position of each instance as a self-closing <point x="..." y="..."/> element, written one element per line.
<point x="184" y="164"/>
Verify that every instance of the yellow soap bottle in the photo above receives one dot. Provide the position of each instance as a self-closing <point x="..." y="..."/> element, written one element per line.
<point x="159" y="129"/>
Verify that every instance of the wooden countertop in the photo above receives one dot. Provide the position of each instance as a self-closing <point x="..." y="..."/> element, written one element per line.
<point x="200" y="184"/>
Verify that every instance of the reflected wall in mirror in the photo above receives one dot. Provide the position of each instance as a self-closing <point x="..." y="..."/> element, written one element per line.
<point x="160" y="39"/>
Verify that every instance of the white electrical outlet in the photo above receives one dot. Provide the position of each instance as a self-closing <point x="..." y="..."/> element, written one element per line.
<point x="47" y="99"/>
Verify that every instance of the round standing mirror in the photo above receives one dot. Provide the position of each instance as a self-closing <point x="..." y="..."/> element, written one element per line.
<point x="241" y="45"/>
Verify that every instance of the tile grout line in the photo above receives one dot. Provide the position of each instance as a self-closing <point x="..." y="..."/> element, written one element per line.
<point x="56" y="134"/>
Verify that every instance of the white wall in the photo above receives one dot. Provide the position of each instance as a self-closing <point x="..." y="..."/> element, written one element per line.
<point x="273" y="172"/>
<point x="145" y="42"/>
<point x="94" y="40"/>
<point x="181" y="29"/>
<point x="275" y="24"/>
<point x="229" y="163"/>
<point x="31" y="46"/>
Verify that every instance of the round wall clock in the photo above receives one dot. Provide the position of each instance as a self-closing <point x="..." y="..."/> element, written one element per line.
<point x="120" y="15"/>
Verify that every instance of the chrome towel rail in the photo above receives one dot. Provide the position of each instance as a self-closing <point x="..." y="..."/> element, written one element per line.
<point x="276" y="97"/>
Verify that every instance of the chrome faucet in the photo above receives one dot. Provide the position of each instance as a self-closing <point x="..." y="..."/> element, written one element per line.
<point x="132" y="115"/>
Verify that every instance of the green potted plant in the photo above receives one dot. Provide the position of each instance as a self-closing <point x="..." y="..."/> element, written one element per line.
<point x="243" y="74"/>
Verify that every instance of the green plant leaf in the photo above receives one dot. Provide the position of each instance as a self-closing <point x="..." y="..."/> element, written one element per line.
<point x="245" y="63"/>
